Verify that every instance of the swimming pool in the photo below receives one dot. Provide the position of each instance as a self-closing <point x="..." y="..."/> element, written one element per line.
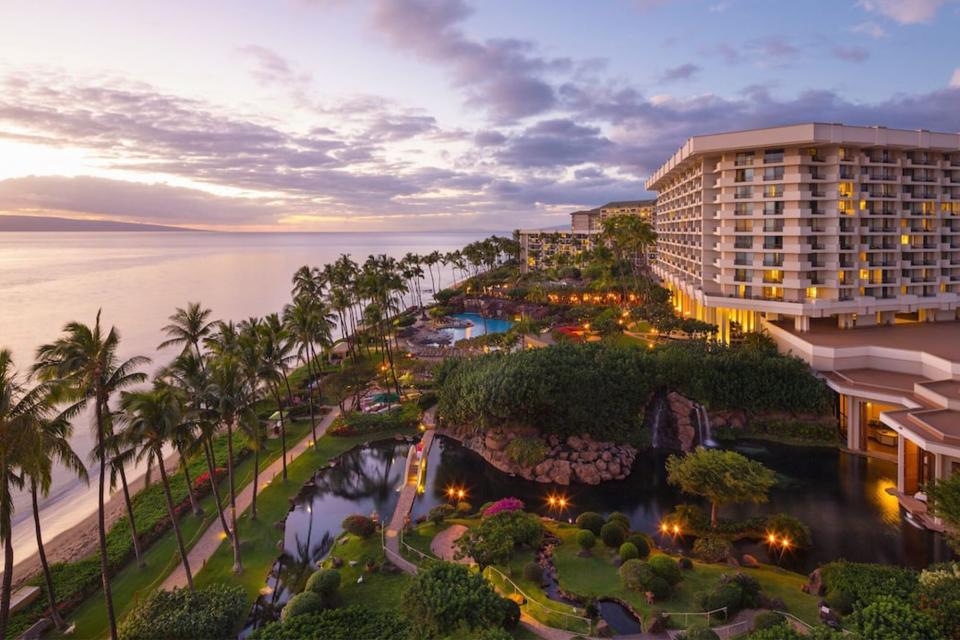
<point x="480" y="326"/>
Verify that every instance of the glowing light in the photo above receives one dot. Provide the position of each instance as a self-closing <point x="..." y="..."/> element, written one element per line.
<point x="676" y="529"/>
<point x="551" y="500"/>
<point x="461" y="494"/>
<point x="786" y="543"/>
<point x="771" y="538"/>
<point x="265" y="591"/>
<point x="222" y="535"/>
<point x="664" y="528"/>
<point x="563" y="503"/>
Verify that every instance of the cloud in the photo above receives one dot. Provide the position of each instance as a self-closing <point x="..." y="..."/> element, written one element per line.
<point x="504" y="75"/>
<point x="955" y="79"/>
<point x="871" y="29"/>
<point x="682" y="72"/>
<point x="555" y="143"/>
<point x="904" y="11"/>
<point x="850" y="54"/>
<point x="131" y="201"/>
<point x="271" y="68"/>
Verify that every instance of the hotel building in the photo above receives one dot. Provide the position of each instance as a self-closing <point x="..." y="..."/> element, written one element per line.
<point x="539" y="246"/>
<point x="844" y="244"/>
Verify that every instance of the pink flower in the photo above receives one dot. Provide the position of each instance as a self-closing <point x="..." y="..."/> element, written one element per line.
<point x="502" y="505"/>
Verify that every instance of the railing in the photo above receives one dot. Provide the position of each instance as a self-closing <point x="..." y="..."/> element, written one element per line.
<point x="419" y="555"/>
<point x="548" y="615"/>
<point x="685" y="615"/>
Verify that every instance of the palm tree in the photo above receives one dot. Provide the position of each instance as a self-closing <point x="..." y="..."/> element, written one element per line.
<point x="188" y="327"/>
<point x="229" y="400"/>
<point x="275" y="357"/>
<point x="188" y="373"/>
<point x="47" y="440"/>
<point x="84" y="366"/>
<point x="153" y="420"/>
<point x="119" y="456"/>
<point x="19" y="409"/>
<point x="309" y="322"/>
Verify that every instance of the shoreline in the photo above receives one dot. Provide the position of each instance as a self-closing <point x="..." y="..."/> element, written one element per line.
<point x="80" y="540"/>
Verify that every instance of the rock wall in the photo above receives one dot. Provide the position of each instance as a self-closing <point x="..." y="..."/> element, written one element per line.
<point x="574" y="459"/>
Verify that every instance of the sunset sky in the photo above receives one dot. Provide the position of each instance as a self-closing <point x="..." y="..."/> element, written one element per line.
<point x="428" y="114"/>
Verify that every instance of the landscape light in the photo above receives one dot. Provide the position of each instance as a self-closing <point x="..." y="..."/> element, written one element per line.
<point x="676" y="530"/>
<point x="771" y="538"/>
<point x="461" y="494"/>
<point x="664" y="528"/>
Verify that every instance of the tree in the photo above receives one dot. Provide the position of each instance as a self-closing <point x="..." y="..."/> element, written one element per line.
<point x="309" y="323"/>
<point x="888" y="618"/>
<point x="944" y="497"/>
<point x="153" y="419"/>
<point x="188" y="327"/>
<point x="20" y="408"/>
<point x="47" y="440"/>
<point x="495" y="538"/>
<point x="446" y="599"/>
<point x="84" y="366"/>
<point x="722" y="477"/>
<point x="276" y="353"/>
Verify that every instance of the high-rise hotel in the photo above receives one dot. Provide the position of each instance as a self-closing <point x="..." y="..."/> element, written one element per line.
<point x="843" y="244"/>
<point x="860" y="224"/>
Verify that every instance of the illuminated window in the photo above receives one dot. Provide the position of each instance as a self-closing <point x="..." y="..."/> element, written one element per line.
<point x="864" y="274"/>
<point x="863" y="205"/>
<point x="846" y="207"/>
<point x="846" y="189"/>
<point x="904" y="239"/>
<point x="812" y="293"/>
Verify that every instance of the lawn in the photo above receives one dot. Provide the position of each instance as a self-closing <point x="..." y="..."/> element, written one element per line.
<point x="597" y="576"/>
<point x="131" y="582"/>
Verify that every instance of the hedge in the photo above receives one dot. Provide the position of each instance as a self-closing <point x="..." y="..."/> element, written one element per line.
<point x="356" y="423"/>
<point x="212" y="613"/>
<point x="337" y="624"/>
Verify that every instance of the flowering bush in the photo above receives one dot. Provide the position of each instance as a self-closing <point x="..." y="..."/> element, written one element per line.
<point x="202" y="481"/>
<point x="504" y="504"/>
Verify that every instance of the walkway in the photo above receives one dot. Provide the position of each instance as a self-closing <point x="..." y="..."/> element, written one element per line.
<point x="407" y="495"/>
<point x="213" y="537"/>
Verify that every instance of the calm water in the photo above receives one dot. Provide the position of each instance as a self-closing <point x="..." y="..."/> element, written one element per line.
<point x="47" y="279"/>
<point x="480" y="326"/>
<point x="841" y="497"/>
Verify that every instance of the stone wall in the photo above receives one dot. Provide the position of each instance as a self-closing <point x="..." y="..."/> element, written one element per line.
<point x="575" y="459"/>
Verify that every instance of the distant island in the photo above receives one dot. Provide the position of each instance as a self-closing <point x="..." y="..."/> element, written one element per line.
<point x="45" y="223"/>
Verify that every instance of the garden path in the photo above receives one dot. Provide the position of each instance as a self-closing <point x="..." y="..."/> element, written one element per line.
<point x="443" y="544"/>
<point x="213" y="536"/>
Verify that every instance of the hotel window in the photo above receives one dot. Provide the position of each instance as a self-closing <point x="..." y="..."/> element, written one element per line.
<point x="773" y="173"/>
<point x="773" y="260"/>
<point x="742" y="209"/>
<point x="773" y="242"/>
<point x="773" y="191"/>
<point x="743" y="242"/>
<point x="741" y="275"/>
<point x="773" y="293"/>
<point x="812" y="293"/>
<point x="773" y="276"/>
<point x="771" y="156"/>
<point x="772" y="208"/>
<point x="743" y="259"/>
<point x="744" y="192"/>
<point x="814" y="154"/>
<point x="743" y="226"/>
<point x="847" y="154"/>
<point x="743" y="175"/>
<point x="846" y="207"/>
<point x="744" y="158"/>
<point x="773" y="225"/>
<point x="845" y="189"/>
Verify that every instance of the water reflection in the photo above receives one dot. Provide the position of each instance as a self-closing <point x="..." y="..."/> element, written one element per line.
<point x="841" y="497"/>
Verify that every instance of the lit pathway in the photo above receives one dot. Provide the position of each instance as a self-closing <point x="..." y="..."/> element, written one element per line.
<point x="212" y="537"/>
<point x="405" y="503"/>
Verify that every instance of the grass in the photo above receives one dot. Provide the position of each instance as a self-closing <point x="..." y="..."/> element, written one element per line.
<point x="258" y="539"/>
<point x="161" y="557"/>
<point x="378" y="591"/>
<point x="597" y="576"/>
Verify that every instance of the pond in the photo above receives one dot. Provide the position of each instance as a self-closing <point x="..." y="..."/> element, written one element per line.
<point x="480" y="326"/>
<point x="365" y="480"/>
<point x="841" y="497"/>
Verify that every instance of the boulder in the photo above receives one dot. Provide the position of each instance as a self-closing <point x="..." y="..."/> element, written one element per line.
<point x="588" y="456"/>
<point x="614" y="468"/>
<point x="606" y="456"/>
<point x="601" y="465"/>
<point x="561" y="472"/>
<point x="749" y="561"/>
<point x="495" y="440"/>
<point x="814" y="585"/>
<point x="586" y="473"/>
<point x="574" y="443"/>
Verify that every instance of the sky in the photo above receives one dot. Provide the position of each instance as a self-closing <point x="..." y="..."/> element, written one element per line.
<point x="380" y="115"/>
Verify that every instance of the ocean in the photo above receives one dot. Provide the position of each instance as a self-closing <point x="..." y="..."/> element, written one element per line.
<point x="138" y="279"/>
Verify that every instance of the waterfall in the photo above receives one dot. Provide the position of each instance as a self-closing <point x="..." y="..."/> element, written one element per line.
<point x="655" y="426"/>
<point x="703" y="427"/>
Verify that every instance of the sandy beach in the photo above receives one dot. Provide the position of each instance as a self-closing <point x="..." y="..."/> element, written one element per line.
<point x="80" y="540"/>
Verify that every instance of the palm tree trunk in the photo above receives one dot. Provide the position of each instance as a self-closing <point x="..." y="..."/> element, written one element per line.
<point x="314" y="380"/>
<point x="133" y="524"/>
<point x="713" y="515"/>
<point x="101" y="525"/>
<point x="283" y="434"/>
<point x="237" y="565"/>
<point x="47" y="578"/>
<point x="212" y="471"/>
<point x="256" y="477"/>
<point x="7" y="579"/>
<point x="194" y="505"/>
<point x="173" y="519"/>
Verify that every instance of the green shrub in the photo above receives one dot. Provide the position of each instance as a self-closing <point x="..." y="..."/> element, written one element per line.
<point x="510" y="613"/>
<point x="464" y="508"/>
<point x="212" y="612"/>
<point x="586" y="539"/>
<point x="337" y="624"/>
<point x="533" y="572"/>
<point x="840" y="601"/>
<point x="427" y="400"/>
<point x="359" y="525"/>
<point x="300" y="604"/>
<point x="712" y="549"/>
<point x="628" y="551"/>
<point x="621" y="519"/>
<point x="494" y="540"/>
<point x="820" y="431"/>
<point x="640" y="576"/>
<point x="440" y="513"/>
<point x="698" y="632"/>
<point x="791" y="528"/>
<point x="866" y="582"/>
<point x="446" y="599"/>
<point x="780" y="631"/>
<point x="324" y="582"/>
<point x="591" y="521"/>
<point x="748" y="585"/>
<point x="723" y="595"/>
<point x="889" y="618"/>
<point x="528" y="452"/>
<point x="613" y="534"/>
<point x="940" y="596"/>
<point x="767" y="619"/>
<point x="356" y="423"/>
<point x="665" y="567"/>
<point x="642" y="542"/>
<point x="685" y="563"/>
